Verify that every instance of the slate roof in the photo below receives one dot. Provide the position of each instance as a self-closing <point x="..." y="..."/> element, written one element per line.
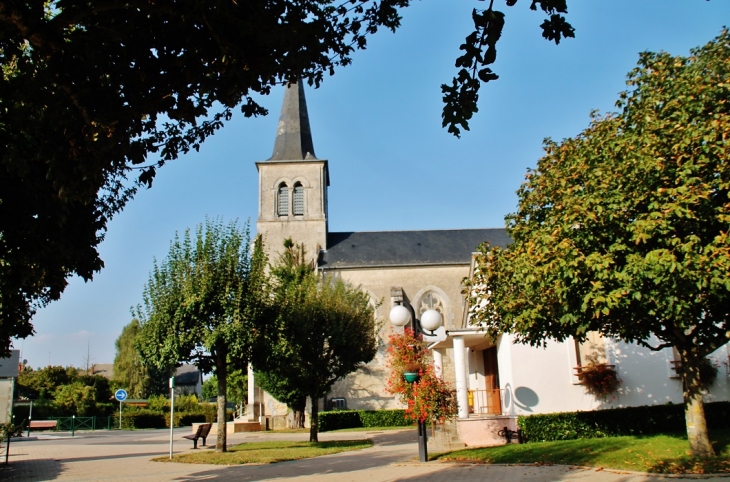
<point x="187" y="375"/>
<point x="404" y="248"/>
<point x="293" y="134"/>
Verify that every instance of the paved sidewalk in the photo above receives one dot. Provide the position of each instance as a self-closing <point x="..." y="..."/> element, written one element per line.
<point x="122" y="456"/>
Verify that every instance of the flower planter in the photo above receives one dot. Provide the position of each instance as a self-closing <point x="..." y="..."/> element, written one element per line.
<point x="411" y="376"/>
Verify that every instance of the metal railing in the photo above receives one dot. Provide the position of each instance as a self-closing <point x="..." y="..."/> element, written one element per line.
<point x="485" y="402"/>
<point x="72" y="424"/>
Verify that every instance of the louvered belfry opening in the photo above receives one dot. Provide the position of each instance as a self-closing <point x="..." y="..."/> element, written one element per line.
<point x="298" y="200"/>
<point x="282" y="201"/>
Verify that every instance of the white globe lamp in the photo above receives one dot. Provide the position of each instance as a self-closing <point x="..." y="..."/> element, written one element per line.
<point x="431" y="320"/>
<point x="400" y="315"/>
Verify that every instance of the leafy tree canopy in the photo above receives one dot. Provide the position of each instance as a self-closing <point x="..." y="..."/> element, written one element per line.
<point x="204" y="305"/>
<point x="130" y="373"/>
<point x="324" y="331"/>
<point x="236" y="386"/>
<point x="96" y="96"/>
<point x="624" y="229"/>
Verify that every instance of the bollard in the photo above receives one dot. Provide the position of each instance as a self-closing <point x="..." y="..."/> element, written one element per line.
<point x="73" y="419"/>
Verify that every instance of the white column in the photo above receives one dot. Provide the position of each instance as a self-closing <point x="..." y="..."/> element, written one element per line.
<point x="251" y="395"/>
<point x="438" y="362"/>
<point x="462" y="398"/>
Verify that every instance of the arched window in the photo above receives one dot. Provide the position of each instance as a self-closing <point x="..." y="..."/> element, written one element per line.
<point x="431" y="301"/>
<point x="298" y="200"/>
<point x="282" y="200"/>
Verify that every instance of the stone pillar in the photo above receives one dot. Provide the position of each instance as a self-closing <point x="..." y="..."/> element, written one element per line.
<point x="462" y="398"/>
<point x="438" y="362"/>
<point x="250" y="410"/>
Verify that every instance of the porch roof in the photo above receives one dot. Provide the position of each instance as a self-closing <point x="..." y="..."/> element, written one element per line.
<point x="472" y="337"/>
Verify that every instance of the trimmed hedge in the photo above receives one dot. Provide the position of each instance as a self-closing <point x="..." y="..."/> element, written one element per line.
<point x="141" y="419"/>
<point x="645" y="420"/>
<point x="339" y="419"/>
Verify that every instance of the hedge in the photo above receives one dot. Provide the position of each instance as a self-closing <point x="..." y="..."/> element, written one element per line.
<point x="141" y="419"/>
<point x="644" y="420"/>
<point x="339" y="419"/>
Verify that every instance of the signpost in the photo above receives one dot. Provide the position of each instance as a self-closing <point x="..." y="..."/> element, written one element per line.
<point x="172" y="410"/>
<point x="120" y="395"/>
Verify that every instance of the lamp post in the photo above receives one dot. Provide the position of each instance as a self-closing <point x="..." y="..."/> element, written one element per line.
<point x="430" y="321"/>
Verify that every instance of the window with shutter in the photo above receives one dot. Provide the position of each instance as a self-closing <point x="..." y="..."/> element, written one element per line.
<point x="298" y="200"/>
<point x="282" y="201"/>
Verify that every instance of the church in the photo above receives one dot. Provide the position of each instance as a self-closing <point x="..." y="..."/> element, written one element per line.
<point x="495" y="380"/>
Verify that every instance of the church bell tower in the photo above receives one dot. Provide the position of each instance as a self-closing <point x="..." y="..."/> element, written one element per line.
<point x="293" y="183"/>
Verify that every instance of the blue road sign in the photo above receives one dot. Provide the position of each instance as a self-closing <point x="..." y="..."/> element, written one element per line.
<point x="120" y="395"/>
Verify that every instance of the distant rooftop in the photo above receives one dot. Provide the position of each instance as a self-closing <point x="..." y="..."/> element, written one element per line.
<point x="397" y="248"/>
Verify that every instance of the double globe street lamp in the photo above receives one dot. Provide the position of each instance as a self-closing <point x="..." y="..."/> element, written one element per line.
<point x="430" y="321"/>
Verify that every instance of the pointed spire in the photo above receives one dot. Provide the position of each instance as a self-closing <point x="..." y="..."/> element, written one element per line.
<point x="293" y="136"/>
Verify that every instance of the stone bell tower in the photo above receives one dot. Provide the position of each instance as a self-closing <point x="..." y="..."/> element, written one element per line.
<point x="293" y="183"/>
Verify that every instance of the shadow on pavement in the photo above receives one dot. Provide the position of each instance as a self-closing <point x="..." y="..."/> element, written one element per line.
<point x="29" y="470"/>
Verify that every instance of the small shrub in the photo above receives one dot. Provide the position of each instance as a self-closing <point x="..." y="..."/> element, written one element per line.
<point x="187" y="419"/>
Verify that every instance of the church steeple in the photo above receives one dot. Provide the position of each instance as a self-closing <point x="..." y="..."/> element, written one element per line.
<point x="293" y="135"/>
<point x="293" y="183"/>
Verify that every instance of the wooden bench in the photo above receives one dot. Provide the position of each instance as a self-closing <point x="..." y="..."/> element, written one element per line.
<point x="43" y="424"/>
<point x="202" y="432"/>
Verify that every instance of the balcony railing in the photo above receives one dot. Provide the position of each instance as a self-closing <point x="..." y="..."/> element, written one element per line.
<point x="485" y="402"/>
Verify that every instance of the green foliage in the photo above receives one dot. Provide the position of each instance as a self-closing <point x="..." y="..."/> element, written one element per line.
<point x="141" y="419"/>
<point x="76" y="397"/>
<point x="185" y="419"/>
<point x="645" y="420"/>
<point x="236" y="386"/>
<point x="94" y="92"/>
<point x="129" y="371"/>
<point x="42" y="384"/>
<point x="324" y="331"/>
<point x="205" y="303"/>
<point x="664" y="454"/>
<point x="480" y="51"/>
<point x="257" y="453"/>
<point x="158" y="403"/>
<point x="9" y="430"/>
<point x="340" y="419"/>
<point x="62" y="391"/>
<point x="623" y="230"/>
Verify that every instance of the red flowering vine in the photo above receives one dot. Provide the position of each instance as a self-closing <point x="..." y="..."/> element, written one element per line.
<point x="429" y="398"/>
<point x="600" y="380"/>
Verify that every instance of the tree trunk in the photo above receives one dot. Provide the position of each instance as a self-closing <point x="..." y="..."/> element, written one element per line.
<point x="694" y="408"/>
<point x="221" y="374"/>
<point x="315" y="417"/>
<point x="297" y="416"/>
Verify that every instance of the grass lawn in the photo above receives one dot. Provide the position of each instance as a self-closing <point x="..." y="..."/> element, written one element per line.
<point x="266" y="452"/>
<point x="667" y="454"/>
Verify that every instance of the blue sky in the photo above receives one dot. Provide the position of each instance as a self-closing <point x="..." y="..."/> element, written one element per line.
<point x="378" y="122"/>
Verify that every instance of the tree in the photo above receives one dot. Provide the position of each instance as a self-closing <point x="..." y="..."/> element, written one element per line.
<point x="95" y="97"/>
<point x="623" y="229"/>
<point x="324" y="330"/>
<point x="92" y="93"/>
<point x="41" y="384"/>
<point x="236" y="386"/>
<point x="130" y="373"/>
<point x="203" y="305"/>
